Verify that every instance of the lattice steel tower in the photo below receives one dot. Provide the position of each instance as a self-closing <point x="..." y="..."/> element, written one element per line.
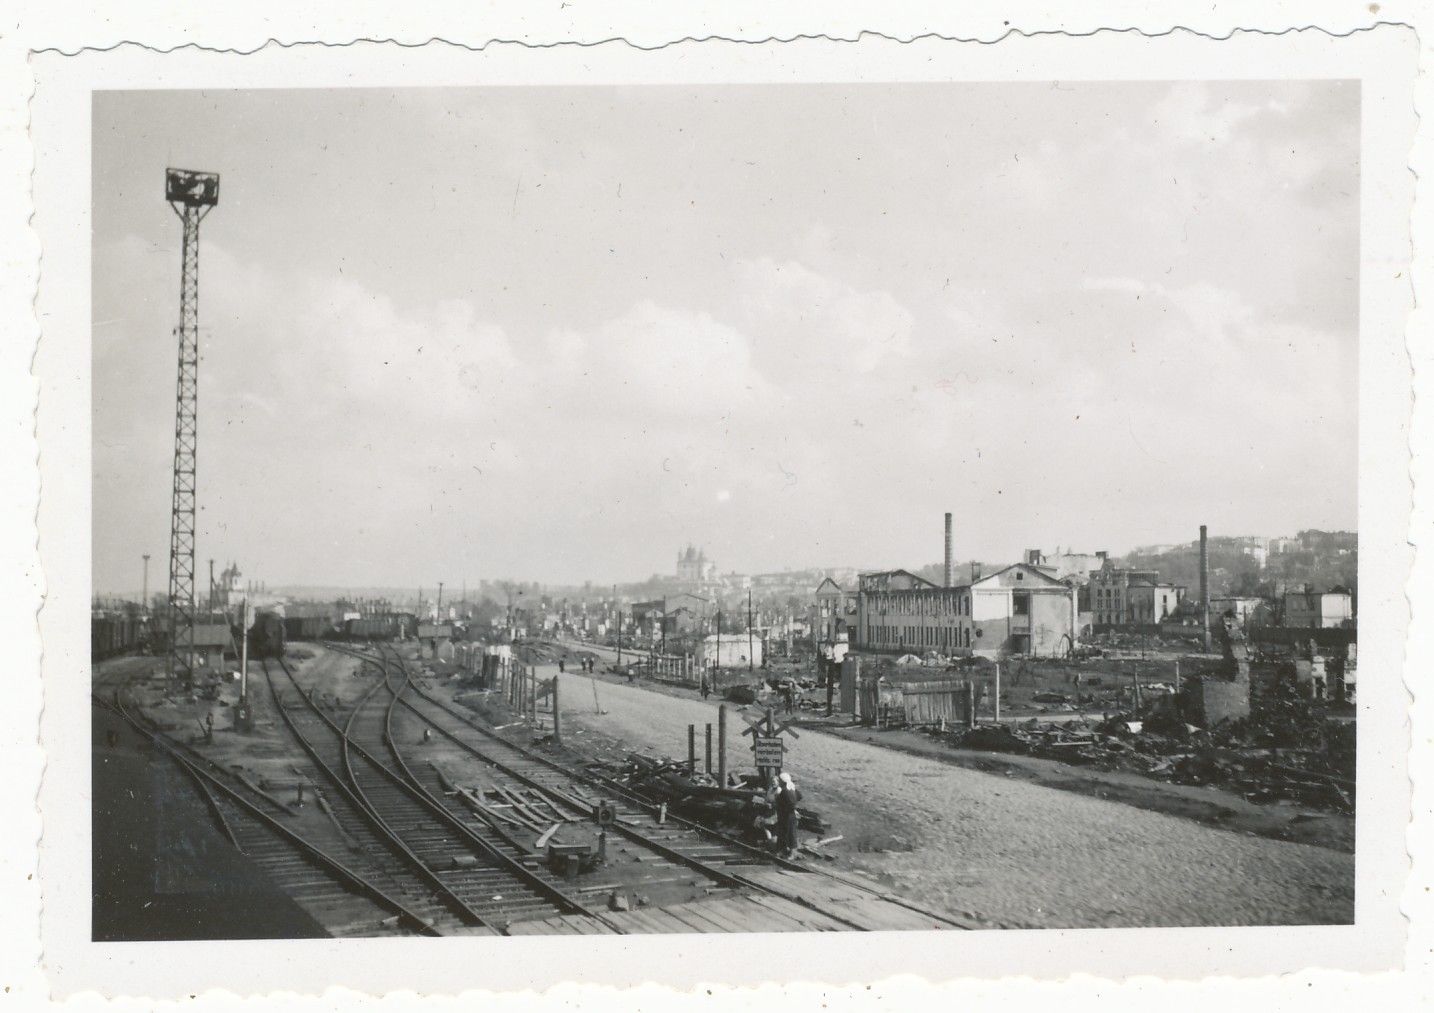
<point x="192" y="195"/>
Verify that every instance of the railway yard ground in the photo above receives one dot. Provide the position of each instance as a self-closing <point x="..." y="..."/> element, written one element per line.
<point x="1209" y="804"/>
<point x="377" y="807"/>
<point x="923" y="838"/>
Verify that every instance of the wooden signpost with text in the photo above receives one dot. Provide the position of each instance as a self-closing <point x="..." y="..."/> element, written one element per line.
<point x="768" y="747"/>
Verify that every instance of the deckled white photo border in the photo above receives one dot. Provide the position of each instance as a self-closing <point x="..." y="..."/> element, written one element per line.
<point x="1384" y="60"/>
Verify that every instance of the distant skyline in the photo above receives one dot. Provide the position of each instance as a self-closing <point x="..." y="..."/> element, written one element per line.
<point x="559" y="333"/>
<point x="456" y="587"/>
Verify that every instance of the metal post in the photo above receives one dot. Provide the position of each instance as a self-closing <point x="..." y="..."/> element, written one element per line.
<point x="722" y="746"/>
<point x="750" y="650"/>
<point x="1204" y="590"/>
<point x="244" y="653"/>
<point x="691" y="749"/>
<point x="557" y="715"/>
<point x="708" y="766"/>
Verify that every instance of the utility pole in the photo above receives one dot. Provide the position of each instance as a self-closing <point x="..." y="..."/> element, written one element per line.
<point x="617" y="611"/>
<point x="144" y="594"/>
<point x="438" y="608"/>
<point x="244" y="652"/>
<point x="211" y="587"/>
<point x="750" y="651"/>
<point x="192" y="195"/>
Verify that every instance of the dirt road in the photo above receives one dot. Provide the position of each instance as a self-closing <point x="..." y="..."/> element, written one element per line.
<point x="1009" y="851"/>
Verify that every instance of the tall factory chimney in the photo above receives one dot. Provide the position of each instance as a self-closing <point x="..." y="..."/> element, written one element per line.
<point x="1204" y="589"/>
<point x="949" y="574"/>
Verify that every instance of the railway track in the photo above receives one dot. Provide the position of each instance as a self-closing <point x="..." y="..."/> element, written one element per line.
<point x="408" y="851"/>
<point x="343" y="899"/>
<point x="483" y="878"/>
<point x="723" y="860"/>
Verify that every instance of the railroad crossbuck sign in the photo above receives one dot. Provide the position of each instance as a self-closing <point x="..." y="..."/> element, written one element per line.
<point x="767" y="745"/>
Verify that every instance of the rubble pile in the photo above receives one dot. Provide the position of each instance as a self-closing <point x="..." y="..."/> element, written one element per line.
<point x="1309" y="763"/>
<point x="741" y="806"/>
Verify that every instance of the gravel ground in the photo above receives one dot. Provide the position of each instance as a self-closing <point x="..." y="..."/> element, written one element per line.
<point x="1011" y="852"/>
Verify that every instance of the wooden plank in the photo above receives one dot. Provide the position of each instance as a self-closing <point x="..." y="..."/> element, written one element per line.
<point x="694" y="921"/>
<point x="643" y="923"/>
<point x="586" y="926"/>
<point x="533" y="928"/>
<point x="537" y="799"/>
<point x="734" y="915"/>
<point x="484" y="810"/>
<point x="805" y="917"/>
<point x="521" y="811"/>
<point x="666" y="923"/>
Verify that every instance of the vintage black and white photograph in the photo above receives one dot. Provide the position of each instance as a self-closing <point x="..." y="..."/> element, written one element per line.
<point x="822" y="513"/>
<point x="724" y="508"/>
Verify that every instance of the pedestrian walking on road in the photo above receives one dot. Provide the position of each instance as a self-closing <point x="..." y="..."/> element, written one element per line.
<point x="787" y="815"/>
<point x="562" y="665"/>
<point x="705" y="688"/>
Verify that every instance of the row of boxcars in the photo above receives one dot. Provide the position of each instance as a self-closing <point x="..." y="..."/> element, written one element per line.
<point x="390" y="627"/>
<point x="306" y="627"/>
<point x="112" y="634"/>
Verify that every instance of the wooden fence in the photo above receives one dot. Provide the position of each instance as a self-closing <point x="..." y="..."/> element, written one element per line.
<point x="951" y="701"/>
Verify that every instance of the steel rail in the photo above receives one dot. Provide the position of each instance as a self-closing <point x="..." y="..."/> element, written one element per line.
<point x="333" y="866"/>
<point x="730" y="879"/>
<point x="636" y="799"/>
<point x="356" y="797"/>
<point x="671" y="854"/>
<point x="549" y="890"/>
<point x="417" y="793"/>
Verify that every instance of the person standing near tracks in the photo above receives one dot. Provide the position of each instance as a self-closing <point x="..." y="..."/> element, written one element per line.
<point x="787" y="815"/>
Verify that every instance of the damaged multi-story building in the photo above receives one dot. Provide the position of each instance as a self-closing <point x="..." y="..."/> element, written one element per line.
<point x="1017" y="610"/>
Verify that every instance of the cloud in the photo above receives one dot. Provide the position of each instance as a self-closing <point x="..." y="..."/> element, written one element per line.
<point x="590" y="311"/>
<point x="816" y="326"/>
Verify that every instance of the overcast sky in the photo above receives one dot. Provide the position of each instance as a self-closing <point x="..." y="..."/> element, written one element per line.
<point x="558" y="333"/>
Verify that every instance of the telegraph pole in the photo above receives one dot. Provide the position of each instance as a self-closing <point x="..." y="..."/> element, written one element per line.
<point x="192" y="195"/>
<point x="438" y="608"/>
<point x="144" y="594"/>
<point x="749" y="631"/>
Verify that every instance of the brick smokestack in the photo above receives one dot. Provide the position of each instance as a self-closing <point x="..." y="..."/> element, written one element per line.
<point x="949" y="572"/>
<point x="1204" y="589"/>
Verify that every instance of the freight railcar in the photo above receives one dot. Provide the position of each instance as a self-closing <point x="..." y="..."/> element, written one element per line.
<point x="372" y="628"/>
<point x="304" y="627"/>
<point x="112" y="635"/>
<point x="266" y="636"/>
